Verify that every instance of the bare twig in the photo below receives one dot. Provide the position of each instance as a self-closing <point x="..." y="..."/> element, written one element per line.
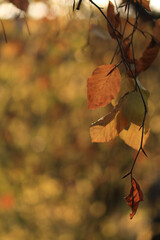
<point x="79" y="4"/>
<point x="4" y="32"/>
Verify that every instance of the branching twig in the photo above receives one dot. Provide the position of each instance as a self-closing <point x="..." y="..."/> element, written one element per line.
<point x="133" y="75"/>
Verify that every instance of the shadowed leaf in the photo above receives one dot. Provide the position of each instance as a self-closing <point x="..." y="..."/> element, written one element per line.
<point x="133" y="107"/>
<point x="135" y="196"/>
<point x="102" y="88"/>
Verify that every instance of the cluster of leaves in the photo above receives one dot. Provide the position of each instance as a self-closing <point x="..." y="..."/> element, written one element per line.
<point x="120" y="88"/>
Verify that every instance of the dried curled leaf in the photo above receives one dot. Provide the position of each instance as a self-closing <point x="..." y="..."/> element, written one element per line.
<point x="149" y="55"/>
<point x="114" y="20"/>
<point x="109" y="127"/>
<point x="102" y="88"/>
<point x="132" y="136"/>
<point x="21" y="4"/>
<point x="135" y="196"/>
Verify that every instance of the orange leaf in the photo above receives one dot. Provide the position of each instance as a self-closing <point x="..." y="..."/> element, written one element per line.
<point x="135" y="196"/>
<point x="114" y="19"/>
<point x="102" y="88"/>
<point x="132" y="136"/>
<point x="21" y="4"/>
<point x="108" y="127"/>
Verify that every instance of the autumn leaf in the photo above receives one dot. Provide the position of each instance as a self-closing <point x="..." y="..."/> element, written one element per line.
<point x="134" y="198"/>
<point x="103" y="86"/>
<point x="108" y="127"/>
<point x="149" y="55"/>
<point x="144" y="4"/>
<point x="21" y="4"/>
<point x="114" y="20"/>
<point x="133" y="135"/>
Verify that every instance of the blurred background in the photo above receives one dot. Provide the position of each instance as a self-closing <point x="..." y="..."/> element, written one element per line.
<point x="54" y="183"/>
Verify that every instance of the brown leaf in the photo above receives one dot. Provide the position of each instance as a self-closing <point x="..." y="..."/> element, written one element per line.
<point x="132" y="136"/>
<point x="144" y="4"/>
<point x="114" y="19"/>
<point x="21" y="4"/>
<point x="108" y="127"/>
<point x="149" y="55"/>
<point x="102" y="88"/>
<point x="135" y="196"/>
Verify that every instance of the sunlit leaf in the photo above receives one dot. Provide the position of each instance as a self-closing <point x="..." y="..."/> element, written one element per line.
<point x="108" y="127"/>
<point x="135" y="196"/>
<point x="102" y="88"/>
<point x="132" y="136"/>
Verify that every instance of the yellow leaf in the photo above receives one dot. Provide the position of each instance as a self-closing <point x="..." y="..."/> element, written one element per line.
<point x="132" y="136"/>
<point x="109" y="127"/>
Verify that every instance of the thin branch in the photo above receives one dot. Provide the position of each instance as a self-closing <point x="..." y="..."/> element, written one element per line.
<point x="79" y="4"/>
<point x="117" y="65"/>
<point x="25" y="20"/>
<point x="74" y="5"/>
<point x="4" y="32"/>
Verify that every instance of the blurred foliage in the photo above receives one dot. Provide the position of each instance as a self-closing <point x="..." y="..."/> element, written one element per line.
<point x="55" y="184"/>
